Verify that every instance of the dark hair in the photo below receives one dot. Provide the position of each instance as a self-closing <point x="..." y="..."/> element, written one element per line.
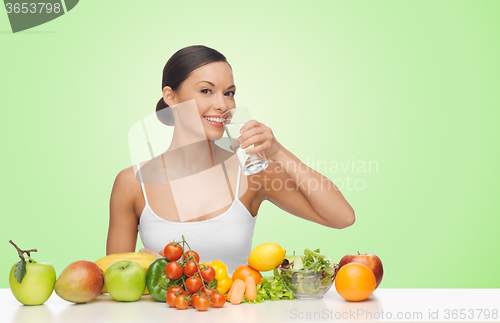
<point x="179" y="67"/>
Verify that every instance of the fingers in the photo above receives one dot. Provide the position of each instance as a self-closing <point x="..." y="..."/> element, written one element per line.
<point x="259" y="149"/>
<point x="250" y="124"/>
<point x="250" y="133"/>
<point x="251" y="128"/>
<point x="152" y="252"/>
<point x="260" y="135"/>
<point x="257" y="134"/>
<point x="255" y="139"/>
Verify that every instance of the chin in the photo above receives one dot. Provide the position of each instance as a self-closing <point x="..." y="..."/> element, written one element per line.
<point x="214" y="137"/>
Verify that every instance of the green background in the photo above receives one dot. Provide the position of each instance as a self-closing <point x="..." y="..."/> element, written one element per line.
<point x="408" y="85"/>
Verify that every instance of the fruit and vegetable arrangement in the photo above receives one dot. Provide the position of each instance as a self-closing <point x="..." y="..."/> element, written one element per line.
<point x="180" y="280"/>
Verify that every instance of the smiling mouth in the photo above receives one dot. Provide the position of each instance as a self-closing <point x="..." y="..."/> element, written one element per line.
<point x="217" y="120"/>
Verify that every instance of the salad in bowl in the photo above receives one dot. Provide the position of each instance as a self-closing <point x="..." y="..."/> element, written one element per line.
<point x="308" y="276"/>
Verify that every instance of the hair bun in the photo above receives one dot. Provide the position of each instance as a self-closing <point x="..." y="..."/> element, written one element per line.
<point x="161" y="105"/>
<point x="164" y="113"/>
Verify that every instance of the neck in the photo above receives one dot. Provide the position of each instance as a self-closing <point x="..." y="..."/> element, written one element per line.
<point x="191" y="158"/>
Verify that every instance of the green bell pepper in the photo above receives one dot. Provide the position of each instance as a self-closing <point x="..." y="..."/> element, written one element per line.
<point x="158" y="282"/>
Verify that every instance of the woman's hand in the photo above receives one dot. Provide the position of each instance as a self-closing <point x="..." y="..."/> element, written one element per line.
<point x="256" y="133"/>
<point x="152" y="252"/>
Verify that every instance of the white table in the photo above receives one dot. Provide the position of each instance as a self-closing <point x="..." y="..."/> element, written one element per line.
<point x="385" y="305"/>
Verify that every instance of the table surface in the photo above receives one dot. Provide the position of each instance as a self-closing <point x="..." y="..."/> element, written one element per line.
<point x="384" y="305"/>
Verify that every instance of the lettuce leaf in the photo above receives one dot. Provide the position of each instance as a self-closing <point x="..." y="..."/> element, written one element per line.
<point x="271" y="288"/>
<point x="314" y="260"/>
<point x="294" y="262"/>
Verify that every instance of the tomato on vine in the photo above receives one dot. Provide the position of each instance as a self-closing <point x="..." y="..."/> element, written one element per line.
<point x="207" y="273"/>
<point x="173" y="251"/>
<point x="175" y="289"/>
<point x="192" y="254"/>
<point x="190" y="269"/>
<point x="173" y="270"/>
<point x="199" y="286"/>
<point x="208" y="291"/>
<point x="197" y="295"/>
<point x="193" y="284"/>
<point x="171" y="299"/>
<point x="218" y="300"/>
<point x="181" y="302"/>
<point x="202" y="304"/>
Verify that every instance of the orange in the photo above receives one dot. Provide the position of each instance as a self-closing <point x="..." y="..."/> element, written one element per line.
<point x="242" y="272"/>
<point x="355" y="282"/>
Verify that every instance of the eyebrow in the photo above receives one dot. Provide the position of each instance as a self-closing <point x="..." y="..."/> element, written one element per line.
<point x="214" y="84"/>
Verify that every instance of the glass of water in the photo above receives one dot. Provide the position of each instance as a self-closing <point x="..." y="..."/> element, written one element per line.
<point x="233" y="121"/>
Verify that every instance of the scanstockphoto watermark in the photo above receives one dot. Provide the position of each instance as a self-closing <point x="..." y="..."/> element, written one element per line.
<point x="429" y="315"/>
<point x="357" y="314"/>
<point x="346" y="175"/>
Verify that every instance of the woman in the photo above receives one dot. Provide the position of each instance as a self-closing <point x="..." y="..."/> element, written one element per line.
<point x="198" y="88"/>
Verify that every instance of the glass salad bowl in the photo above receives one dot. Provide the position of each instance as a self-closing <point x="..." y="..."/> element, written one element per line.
<point x="308" y="284"/>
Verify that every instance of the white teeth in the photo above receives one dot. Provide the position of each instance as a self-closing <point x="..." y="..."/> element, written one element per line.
<point x="218" y="120"/>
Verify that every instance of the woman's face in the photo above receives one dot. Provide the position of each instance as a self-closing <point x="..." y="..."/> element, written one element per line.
<point x="212" y="87"/>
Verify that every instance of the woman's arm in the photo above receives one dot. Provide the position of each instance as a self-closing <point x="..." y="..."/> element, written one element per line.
<point x="307" y="193"/>
<point x="297" y="189"/>
<point x="152" y="252"/>
<point x="122" y="232"/>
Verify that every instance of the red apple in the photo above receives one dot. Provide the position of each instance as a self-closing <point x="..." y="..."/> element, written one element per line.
<point x="80" y="282"/>
<point x="371" y="261"/>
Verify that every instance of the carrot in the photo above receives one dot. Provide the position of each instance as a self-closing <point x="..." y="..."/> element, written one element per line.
<point x="250" y="290"/>
<point x="230" y="292"/>
<point x="237" y="291"/>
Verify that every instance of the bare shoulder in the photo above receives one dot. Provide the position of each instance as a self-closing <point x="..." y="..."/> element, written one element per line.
<point x="123" y="219"/>
<point x="127" y="184"/>
<point x="126" y="177"/>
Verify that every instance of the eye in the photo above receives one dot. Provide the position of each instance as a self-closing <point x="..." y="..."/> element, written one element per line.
<point x="230" y="93"/>
<point x="205" y="91"/>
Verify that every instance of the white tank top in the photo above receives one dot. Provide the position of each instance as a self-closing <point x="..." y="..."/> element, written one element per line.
<point x="227" y="237"/>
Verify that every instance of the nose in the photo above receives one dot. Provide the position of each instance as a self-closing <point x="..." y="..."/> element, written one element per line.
<point x="220" y="104"/>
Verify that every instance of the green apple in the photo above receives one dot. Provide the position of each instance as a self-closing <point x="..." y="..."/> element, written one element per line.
<point x="125" y="280"/>
<point x="36" y="286"/>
